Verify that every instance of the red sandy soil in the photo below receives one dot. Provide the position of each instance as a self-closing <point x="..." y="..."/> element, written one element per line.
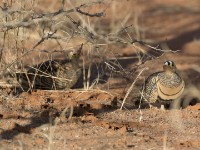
<point x="35" y="120"/>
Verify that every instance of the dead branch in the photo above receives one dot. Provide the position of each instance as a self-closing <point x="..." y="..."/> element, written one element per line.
<point x="90" y="15"/>
<point x="33" y="18"/>
<point x="131" y="87"/>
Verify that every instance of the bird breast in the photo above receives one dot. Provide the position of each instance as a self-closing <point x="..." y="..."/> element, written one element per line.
<point x="169" y="87"/>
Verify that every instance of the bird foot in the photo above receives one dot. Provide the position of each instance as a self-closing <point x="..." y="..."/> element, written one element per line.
<point x="162" y="107"/>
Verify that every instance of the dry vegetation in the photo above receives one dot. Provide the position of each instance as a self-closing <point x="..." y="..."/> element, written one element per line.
<point x="122" y="45"/>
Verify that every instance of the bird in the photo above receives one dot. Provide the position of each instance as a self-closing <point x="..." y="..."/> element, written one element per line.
<point x="52" y="74"/>
<point x="164" y="86"/>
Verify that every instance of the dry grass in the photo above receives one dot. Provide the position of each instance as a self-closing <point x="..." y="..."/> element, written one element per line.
<point x="29" y="29"/>
<point x="64" y="27"/>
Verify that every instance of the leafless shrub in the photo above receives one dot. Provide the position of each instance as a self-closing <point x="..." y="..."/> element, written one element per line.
<point x="26" y="29"/>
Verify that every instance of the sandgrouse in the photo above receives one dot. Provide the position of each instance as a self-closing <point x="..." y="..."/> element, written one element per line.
<point x="52" y="74"/>
<point x="164" y="86"/>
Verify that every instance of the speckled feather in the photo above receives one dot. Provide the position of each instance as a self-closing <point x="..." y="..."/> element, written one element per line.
<point x="50" y="75"/>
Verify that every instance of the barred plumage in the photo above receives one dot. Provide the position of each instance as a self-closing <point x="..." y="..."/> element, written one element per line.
<point x="52" y="74"/>
<point x="164" y="86"/>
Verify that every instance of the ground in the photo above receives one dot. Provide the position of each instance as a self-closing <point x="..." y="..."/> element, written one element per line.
<point x="42" y="119"/>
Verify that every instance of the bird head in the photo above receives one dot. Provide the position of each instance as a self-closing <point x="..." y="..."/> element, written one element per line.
<point x="75" y="54"/>
<point x="169" y="66"/>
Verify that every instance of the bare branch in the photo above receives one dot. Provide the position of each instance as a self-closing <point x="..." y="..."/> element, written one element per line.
<point x="100" y="14"/>
<point x="33" y="18"/>
<point x="131" y="87"/>
<point x="49" y="35"/>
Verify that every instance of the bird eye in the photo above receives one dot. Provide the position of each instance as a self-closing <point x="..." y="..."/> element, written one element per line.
<point x="171" y="63"/>
<point x="75" y="55"/>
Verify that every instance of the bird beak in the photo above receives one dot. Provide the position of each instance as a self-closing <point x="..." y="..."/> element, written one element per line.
<point x="167" y="67"/>
<point x="80" y="49"/>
